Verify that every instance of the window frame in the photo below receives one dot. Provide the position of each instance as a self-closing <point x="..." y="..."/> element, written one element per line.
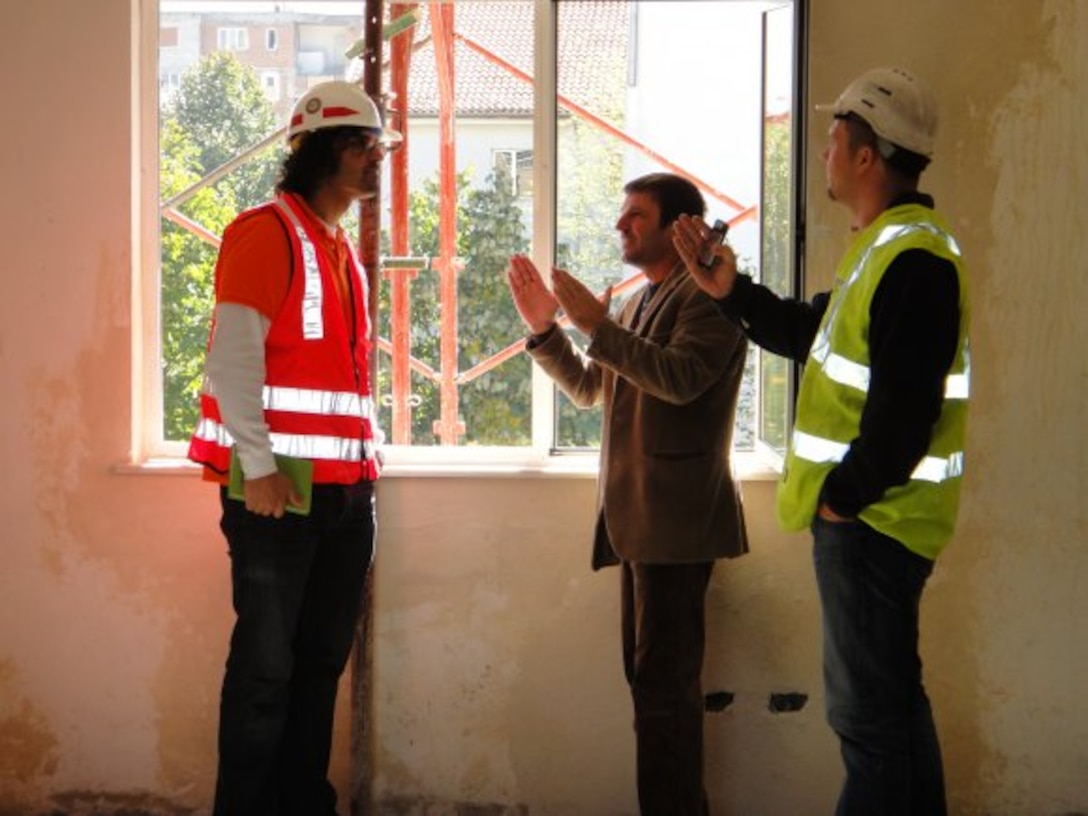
<point x="238" y="36"/>
<point x="272" y="84"/>
<point x="148" y="444"/>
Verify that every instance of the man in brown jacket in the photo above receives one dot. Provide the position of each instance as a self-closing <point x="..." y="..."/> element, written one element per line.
<point x="667" y="372"/>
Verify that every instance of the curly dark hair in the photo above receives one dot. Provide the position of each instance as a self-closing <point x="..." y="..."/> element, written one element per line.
<point x="675" y="195"/>
<point x="316" y="158"/>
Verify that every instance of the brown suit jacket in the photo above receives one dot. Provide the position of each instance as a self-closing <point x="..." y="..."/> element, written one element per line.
<point x="669" y="390"/>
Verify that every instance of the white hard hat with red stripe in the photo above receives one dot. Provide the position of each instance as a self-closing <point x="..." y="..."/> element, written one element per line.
<point x="337" y="104"/>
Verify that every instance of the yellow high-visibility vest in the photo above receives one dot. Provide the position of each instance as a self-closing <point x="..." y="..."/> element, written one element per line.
<point x="920" y="514"/>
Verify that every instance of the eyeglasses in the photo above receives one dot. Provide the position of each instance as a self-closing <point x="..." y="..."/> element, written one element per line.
<point x="365" y="143"/>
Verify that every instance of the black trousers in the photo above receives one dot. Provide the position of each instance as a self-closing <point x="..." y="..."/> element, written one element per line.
<point x="297" y="585"/>
<point x="664" y="633"/>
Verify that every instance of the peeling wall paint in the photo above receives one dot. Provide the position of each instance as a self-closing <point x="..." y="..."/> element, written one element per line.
<point x="27" y="743"/>
<point x="1031" y="671"/>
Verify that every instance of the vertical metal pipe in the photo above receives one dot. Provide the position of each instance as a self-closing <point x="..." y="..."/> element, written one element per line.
<point x="361" y="703"/>
<point x="400" y="278"/>
<point x="447" y="427"/>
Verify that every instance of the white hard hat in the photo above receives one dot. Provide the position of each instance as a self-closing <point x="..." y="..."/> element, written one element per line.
<point x="337" y="104"/>
<point x="897" y="106"/>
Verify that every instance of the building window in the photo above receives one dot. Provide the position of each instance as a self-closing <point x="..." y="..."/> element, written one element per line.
<point x="270" y="81"/>
<point x="168" y="37"/>
<point x="232" y="39"/>
<point x="452" y="378"/>
<point x="516" y="166"/>
<point x="168" y="87"/>
<point x="271" y="39"/>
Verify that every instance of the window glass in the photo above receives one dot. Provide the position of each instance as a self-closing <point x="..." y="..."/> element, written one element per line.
<point x="517" y="165"/>
<point x="656" y="101"/>
<point x="221" y="108"/>
<point x="453" y="372"/>
<point x="636" y="93"/>
<point x="270" y="81"/>
<point x="233" y="39"/>
<point x="779" y="201"/>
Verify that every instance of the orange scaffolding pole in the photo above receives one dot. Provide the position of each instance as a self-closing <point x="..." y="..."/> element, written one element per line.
<point x="400" y="276"/>
<point x="447" y="427"/>
<point x="401" y="269"/>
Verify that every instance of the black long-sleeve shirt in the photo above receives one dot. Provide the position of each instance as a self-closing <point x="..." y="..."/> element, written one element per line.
<point x="913" y="334"/>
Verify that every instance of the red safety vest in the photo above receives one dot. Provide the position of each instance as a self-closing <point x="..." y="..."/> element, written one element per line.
<point x="316" y="394"/>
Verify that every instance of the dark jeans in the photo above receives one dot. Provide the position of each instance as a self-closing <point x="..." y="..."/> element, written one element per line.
<point x="663" y="608"/>
<point x="870" y="588"/>
<point x="297" y="584"/>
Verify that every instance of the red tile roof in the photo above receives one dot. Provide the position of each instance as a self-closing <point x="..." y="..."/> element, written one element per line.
<point x="592" y="37"/>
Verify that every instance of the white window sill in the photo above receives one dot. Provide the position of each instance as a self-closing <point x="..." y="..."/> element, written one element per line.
<point x="462" y="464"/>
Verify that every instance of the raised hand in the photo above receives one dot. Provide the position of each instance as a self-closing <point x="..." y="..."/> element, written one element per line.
<point x="535" y="303"/>
<point x="688" y="236"/>
<point x="583" y="308"/>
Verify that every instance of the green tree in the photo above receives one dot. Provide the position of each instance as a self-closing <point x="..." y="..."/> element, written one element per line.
<point x="218" y="113"/>
<point x="425" y="315"/>
<point x="495" y="407"/>
<point x="221" y="106"/>
<point x="590" y="195"/>
<point x="775" y="273"/>
<point x="188" y="265"/>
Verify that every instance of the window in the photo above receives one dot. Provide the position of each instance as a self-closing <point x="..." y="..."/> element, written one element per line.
<point x="168" y="86"/>
<point x="270" y="81"/>
<point x="528" y="154"/>
<point x="654" y="101"/>
<point x="168" y="37"/>
<point x="517" y="166"/>
<point x="232" y="39"/>
<point x="271" y="39"/>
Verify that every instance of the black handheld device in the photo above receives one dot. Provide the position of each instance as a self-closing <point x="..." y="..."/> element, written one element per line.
<point x="707" y="258"/>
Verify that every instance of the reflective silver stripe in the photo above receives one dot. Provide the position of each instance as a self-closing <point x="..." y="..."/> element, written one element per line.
<point x="847" y="372"/>
<point x="841" y="370"/>
<point x="957" y="386"/>
<point x="890" y="233"/>
<point x="935" y="469"/>
<point x="305" y="446"/>
<point x="855" y="375"/>
<point x="300" y="445"/>
<point x="313" y="323"/>
<point x="208" y="430"/>
<point x="313" y="401"/>
<point x="817" y="449"/>
<point x="825" y="451"/>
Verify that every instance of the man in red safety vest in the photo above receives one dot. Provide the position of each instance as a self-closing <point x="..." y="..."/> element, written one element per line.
<point x="286" y="392"/>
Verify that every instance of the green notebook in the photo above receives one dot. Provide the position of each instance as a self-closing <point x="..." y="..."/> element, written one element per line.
<point x="300" y="471"/>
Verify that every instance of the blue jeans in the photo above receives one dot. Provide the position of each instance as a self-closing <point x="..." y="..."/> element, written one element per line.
<point x="297" y="585"/>
<point x="664" y="636"/>
<point x="870" y="588"/>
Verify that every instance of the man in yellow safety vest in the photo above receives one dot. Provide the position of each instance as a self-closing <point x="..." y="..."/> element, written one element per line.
<point x="875" y="462"/>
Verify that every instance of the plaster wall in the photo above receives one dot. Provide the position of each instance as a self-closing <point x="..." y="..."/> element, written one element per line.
<point x="497" y="684"/>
